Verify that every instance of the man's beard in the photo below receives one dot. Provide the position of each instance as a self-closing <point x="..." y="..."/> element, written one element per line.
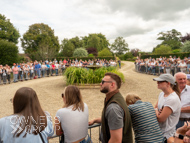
<point x="104" y="90"/>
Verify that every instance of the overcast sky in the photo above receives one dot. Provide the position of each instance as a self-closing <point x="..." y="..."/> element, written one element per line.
<point x="137" y="21"/>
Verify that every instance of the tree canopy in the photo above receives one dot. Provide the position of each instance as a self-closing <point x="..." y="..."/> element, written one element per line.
<point x="39" y="42"/>
<point x="8" y="52"/>
<point x="8" y="31"/>
<point x="119" y="46"/>
<point x="95" y="40"/>
<point x="67" y="48"/>
<point x="171" y="38"/>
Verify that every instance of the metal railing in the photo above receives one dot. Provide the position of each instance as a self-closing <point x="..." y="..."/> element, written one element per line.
<point x="157" y="70"/>
<point x="24" y="76"/>
<point x="89" y="129"/>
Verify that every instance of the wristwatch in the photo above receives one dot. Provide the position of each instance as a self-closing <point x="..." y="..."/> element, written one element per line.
<point x="179" y="136"/>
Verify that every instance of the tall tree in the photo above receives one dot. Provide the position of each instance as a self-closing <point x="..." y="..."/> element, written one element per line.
<point x="135" y="52"/>
<point x="94" y="41"/>
<point x="39" y="42"/>
<point x="8" y="31"/>
<point x="67" y="48"/>
<point x="171" y="38"/>
<point x="97" y="41"/>
<point x="76" y="42"/>
<point x="119" y="46"/>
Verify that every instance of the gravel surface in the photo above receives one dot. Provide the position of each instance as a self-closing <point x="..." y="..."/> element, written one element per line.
<point x="49" y="91"/>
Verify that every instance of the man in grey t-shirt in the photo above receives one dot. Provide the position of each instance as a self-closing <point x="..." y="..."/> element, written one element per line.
<point x="115" y="120"/>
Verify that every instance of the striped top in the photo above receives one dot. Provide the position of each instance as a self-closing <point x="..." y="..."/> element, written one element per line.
<point x="145" y="124"/>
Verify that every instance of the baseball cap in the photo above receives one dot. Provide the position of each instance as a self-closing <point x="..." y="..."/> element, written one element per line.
<point x="166" y="77"/>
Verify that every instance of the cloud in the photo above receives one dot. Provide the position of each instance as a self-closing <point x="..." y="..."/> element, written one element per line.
<point x="138" y="21"/>
<point x="147" y="9"/>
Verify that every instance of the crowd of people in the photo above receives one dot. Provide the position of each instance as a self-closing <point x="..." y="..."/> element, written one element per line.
<point x="167" y="122"/>
<point x="163" y="65"/>
<point x="38" y="69"/>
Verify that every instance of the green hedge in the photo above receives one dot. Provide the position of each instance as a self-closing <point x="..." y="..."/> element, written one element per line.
<point x="181" y="55"/>
<point x="86" y="58"/>
<point x="76" y="75"/>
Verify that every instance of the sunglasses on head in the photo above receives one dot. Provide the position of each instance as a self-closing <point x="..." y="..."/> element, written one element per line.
<point x="103" y="81"/>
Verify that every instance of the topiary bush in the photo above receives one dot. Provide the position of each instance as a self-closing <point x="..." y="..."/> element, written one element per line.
<point x="80" y="52"/>
<point x="90" y="55"/>
<point x="105" y="52"/>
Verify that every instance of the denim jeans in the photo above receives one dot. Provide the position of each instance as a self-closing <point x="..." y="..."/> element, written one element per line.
<point x="15" y="77"/>
<point x="43" y="72"/>
<point x="180" y="124"/>
<point x="21" y="76"/>
<point x="38" y="72"/>
<point x="56" y="71"/>
<point x="4" y="79"/>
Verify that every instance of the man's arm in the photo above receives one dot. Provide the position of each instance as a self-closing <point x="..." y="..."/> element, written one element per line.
<point x="97" y="120"/>
<point x="116" y="136"/>
<point x="185" y="109"/>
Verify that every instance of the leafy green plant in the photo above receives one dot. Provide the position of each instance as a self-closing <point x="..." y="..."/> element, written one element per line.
<point x="76" y="75"/>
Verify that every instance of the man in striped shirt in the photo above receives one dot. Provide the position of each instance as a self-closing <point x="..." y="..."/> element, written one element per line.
<point x="145" y="124"/>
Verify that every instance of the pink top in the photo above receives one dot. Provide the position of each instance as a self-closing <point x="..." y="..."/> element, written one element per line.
<point x="15" y="70"/>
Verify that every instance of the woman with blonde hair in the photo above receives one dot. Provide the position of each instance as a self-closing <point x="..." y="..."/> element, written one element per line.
<point x="72" y="119"/>
<point x="143" y="117"/>
<point x="29" y="123"/>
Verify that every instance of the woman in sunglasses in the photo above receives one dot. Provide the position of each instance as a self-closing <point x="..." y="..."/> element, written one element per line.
<point x="29" y="123"/>
<point x="168" y="105"/>
<point x="72" y="119"/>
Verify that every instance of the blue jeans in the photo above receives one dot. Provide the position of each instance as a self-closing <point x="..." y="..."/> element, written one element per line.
<point x="56" y="71"/>
<point x="87" y="140"/>
<point x="43" y="72"/>
<point x="180" y="124"/>
<point x="15" y="77"/>
<point x="38" y="72"/>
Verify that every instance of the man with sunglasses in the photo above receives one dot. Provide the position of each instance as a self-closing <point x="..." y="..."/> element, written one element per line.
<point x="115" y="120"/>
<point x="181" y="79"/>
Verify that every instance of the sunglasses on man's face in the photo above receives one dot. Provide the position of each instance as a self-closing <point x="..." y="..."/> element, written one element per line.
<point x="103" y="81"/>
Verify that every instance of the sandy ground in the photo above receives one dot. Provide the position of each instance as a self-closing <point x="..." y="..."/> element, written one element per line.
<point x="49" y="91"/>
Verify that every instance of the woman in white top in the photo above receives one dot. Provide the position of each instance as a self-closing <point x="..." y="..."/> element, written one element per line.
<point x="168" y="106"/>
<point x="72" y="119"/>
